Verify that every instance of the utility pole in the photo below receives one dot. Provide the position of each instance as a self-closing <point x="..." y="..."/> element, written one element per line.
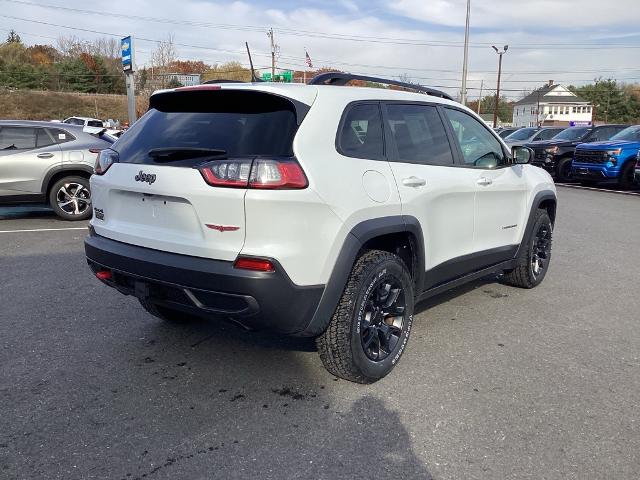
<point x="480" y="97"/>
<point x="495" y="107"/>
<point x="463" y="95"/>
<point x="128" y="66"/>
<point x="273" y="54"/>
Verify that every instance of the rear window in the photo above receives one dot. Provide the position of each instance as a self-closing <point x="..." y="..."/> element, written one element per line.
<point x="521" y="134"/>
<point x="242" y="123"/>
<point x="95" y="123"/>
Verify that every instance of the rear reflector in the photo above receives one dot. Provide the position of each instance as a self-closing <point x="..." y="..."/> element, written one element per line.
<point x="263" y="173"/>
<point x="104" y="275"/>
<point x="257" y="264"/>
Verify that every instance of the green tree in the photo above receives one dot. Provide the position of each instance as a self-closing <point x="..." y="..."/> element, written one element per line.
<point x="487" y="106"/>
<point x="173" y="83"/>
<point x="13" y="37"/>
<point x="612" y="102"/>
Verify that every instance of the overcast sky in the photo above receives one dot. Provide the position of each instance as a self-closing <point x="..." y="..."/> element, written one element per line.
<point x="569" y="41"/>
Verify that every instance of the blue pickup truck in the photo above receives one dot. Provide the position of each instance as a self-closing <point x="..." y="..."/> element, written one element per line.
<point x="612" y="159"/>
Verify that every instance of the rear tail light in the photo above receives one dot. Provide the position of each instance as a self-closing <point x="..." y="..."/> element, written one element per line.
<point x="252" y="263"/>
<point x="105" y="159"/>
<point x="259" y="173"/>
<point x="104" y="275"/>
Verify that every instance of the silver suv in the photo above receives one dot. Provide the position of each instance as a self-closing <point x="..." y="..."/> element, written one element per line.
<point x="46" y="162"/>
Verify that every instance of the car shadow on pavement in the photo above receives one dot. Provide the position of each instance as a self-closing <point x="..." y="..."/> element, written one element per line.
<point x="94" y="387"/>
<point x="26" y="211"/>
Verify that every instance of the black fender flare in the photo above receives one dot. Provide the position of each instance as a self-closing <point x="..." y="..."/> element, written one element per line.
<point x="353" y="243"/>
<point x="540" y="197"/>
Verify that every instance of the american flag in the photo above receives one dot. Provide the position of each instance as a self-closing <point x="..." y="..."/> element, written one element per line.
<point x="308" y="59"/>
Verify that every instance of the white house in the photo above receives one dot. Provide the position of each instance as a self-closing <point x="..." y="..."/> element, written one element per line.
<point x="552" y="105"/>
<point x="185" y="79"/>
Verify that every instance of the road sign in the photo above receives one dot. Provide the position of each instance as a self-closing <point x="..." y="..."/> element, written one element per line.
<point x="126" y="50"/>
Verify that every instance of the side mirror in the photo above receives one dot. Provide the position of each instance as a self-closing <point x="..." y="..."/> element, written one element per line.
<point x="521" y="154"/>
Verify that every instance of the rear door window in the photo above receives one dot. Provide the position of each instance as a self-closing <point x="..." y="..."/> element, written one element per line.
<point x="360" y="135"/>
<point x="419" y="134"/>
<point x="17" y="138"/>
<point x="43" y="139"/>
<point x="239" y="123"/>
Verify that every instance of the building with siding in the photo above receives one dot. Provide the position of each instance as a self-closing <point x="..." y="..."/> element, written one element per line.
<point x="552" y="105"/>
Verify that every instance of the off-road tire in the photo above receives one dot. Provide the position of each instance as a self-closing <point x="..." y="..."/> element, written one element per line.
<point x="627" y="176"/>
<point x="561" y="170"/>
<point x="164" y="313"/>
<point x="53" y="198"/>
<point x="341" y="346"/>
<point x="524" y="275"/>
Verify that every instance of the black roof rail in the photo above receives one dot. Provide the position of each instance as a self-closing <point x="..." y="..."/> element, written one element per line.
<point x="341" y="78"/>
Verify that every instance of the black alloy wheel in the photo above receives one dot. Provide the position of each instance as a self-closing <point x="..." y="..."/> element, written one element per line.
<point x="381" y="327"/>
<point x="540" y="250"/>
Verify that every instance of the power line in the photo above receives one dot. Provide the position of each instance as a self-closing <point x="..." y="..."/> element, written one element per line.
<point x="333" y="36"/>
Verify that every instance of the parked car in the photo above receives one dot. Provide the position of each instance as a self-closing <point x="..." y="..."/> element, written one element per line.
<point x="614" y="159"/>
<point x="45" y="162"/>
<point x="276" y="205"/>
<point x="84" y="121"/>
<point x="531" y="134"/>
<point x="556" y="155"/>
<point x="506" y="131"/>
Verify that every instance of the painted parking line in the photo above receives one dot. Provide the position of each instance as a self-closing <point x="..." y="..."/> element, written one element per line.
<point x="43" y="230"/>
<point x="596" y="189"/>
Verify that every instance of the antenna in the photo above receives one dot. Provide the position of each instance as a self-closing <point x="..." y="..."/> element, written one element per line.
<point x="253" y="73"/>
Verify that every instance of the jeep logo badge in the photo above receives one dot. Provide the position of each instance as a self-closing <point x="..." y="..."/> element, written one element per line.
<point x="145" y="177"/>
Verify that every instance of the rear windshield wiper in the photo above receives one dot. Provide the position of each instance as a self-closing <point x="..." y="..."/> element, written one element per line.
<point x="170" y="154"/>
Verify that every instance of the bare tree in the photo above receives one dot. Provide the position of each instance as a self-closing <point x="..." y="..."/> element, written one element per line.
<point x="162" y="57"/>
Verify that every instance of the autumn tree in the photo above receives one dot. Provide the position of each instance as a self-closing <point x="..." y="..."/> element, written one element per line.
<point x="188" y="66"/>
<point x="228" y="71"/>
<point x="163" y="56"/>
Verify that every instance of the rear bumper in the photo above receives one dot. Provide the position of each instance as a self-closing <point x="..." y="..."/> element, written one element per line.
<point x="206" y="287"/>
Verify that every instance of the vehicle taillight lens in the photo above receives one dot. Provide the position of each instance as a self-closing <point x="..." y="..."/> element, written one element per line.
<point x="252" y="263"/>
<point x="255" y="173"/>
<point x="105" y="159"/>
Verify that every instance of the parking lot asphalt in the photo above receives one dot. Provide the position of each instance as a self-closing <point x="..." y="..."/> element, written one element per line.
<point x="496" y="382"/>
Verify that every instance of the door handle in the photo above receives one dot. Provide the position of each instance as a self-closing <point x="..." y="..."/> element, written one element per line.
<point x="45" y="155"/>
<point x="484" y="181"/>
<point x="414" y="182"/>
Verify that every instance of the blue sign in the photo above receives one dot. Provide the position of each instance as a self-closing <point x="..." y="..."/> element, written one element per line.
<point x="126" y="50"/>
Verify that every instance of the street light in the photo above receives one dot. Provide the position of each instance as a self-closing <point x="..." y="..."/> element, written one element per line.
<point x="465" y="61"/>
<point x="495" y="108"/>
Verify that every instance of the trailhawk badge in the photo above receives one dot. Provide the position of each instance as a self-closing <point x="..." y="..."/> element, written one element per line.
<point x="145" y="177"/>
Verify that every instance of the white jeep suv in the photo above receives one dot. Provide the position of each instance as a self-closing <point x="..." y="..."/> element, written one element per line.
<point x="317" y="210"/>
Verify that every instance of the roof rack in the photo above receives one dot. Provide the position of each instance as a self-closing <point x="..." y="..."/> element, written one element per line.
<point x="341" y="78"/>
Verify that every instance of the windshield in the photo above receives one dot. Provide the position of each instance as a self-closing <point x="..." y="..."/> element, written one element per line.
<point x="235" y="122"/>
<point x="575" y="133"/>
<point x="630" y="133"/>
<point x="521" y="134"/>
<point x="547" y="133"/>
